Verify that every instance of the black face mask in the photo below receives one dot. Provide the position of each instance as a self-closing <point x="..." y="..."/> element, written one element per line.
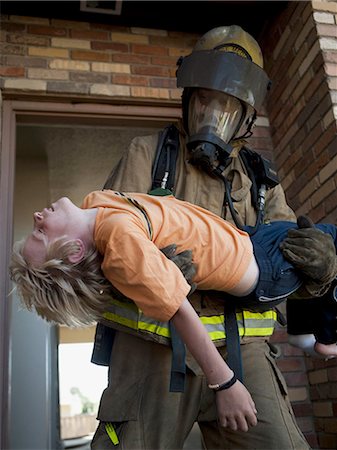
<point x="213" y="119"/>
<point x="208" y="152"/>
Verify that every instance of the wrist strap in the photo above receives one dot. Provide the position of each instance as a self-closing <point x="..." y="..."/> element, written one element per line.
<point x="223" y="386"/>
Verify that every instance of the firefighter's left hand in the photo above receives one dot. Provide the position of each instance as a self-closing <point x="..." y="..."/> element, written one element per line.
<point x="312" y="252"/>
<point x="184" y="262"/>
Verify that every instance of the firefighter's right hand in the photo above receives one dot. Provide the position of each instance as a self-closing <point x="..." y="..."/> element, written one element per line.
<point x="236" y="408"/>
<point x="184" y="261"/>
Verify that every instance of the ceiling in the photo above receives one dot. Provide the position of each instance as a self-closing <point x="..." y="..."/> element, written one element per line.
<point x="190" y="16"/>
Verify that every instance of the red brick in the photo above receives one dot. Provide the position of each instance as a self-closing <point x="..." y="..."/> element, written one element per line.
<point x="92" y="35"/>
<point x="150" y="70"/>
<point x="262" y="145"/>
<point x="109" y="27"/>
<point x="12" y="71"/>
<point x="331" y="69"/>
<point x="24" y="61"/>
<point x="332" y="373"/>
<point x="296" y="379"/>
<point x="87" y="55"/>
<point x="327" y="441"/>
<point x="296" y="186"/>
<point x="313" y="135"/>
<point x="9" y="49"/>
<point x="163" y="83"/>
<point x="12" y="27"/>
<point x="331" y="217"/>
<point x="325" y="29"/>
<point x="148" y="50"/>
<point x="330" y="208"/>
<point x="311" y="439"/>
<point x="290" y="350"/>
<point x="130" y="59"/>
<point x="330" y="56"/>
<point x="89" y="77"/>
<point x="129" y="79"/>
<point x="116" y="47"/>
<point x="49" y="31"/>
<point x="285" y="16"/>
<point x="164" y="61"/>
<point x="325" y="139"/>
<point x="28" y="39"/>
<point x="302" y="409"/>
<point x="306" y="424"/>
<point x="316" y="165"/>
<point x="279" y="335"/>
<point x="172" y="41"/>
<point x="68" y="87"/>
<point x="334" y="409"/>
<point x="318" y="62"/>
<point x="290" y="365"/>
<point x="317" y="214"/>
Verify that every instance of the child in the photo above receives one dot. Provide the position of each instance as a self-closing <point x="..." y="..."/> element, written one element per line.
<point x="58" y="269"/>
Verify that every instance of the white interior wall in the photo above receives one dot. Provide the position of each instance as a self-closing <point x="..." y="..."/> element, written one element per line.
<point x="51" y="162"/>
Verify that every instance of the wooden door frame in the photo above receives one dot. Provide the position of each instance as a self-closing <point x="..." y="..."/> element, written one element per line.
<point x="47" y="112"/>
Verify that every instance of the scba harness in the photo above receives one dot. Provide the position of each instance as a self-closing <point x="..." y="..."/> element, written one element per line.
<point x="263" y="177"/>
<point x="123" y="315"/>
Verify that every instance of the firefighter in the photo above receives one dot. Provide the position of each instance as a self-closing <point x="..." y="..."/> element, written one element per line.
<point x="224" y="85"/>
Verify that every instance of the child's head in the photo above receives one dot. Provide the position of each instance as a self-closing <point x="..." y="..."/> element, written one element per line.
<point x="60" y="288"/>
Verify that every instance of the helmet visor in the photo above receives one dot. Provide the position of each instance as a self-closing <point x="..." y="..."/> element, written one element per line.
<point x="214" y="113"/>
<point x="224" y="72"/>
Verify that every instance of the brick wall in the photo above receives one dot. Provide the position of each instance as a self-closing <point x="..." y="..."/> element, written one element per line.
<point x="300" y="50"/>
<point x="50" y="57"/>
<point x="90" y="59"/>
<point x="76" y="60"/>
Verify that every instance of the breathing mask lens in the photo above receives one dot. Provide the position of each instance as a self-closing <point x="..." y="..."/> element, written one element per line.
<point x="214" y="112"/>
<point x="213" y="120"/>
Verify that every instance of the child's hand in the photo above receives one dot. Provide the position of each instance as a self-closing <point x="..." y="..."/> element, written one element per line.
<point x="236" y="408"/>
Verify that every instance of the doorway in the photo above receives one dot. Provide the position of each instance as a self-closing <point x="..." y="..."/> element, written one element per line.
<point x="54" y="155"/>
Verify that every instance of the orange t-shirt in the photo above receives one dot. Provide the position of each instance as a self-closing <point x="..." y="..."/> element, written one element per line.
<point x="130" y="229"/>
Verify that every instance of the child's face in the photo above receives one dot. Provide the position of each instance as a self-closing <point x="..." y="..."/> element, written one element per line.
<point x="51" y="223"/>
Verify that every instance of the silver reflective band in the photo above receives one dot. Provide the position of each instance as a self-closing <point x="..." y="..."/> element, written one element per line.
<point x="223" y="386"/>
<point x="224" y="72"/>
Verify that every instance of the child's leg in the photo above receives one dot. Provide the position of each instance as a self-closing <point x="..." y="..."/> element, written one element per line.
<point x="301" y="324"/>
<point x="326" y="327"/>
<point x="301" y="314"/>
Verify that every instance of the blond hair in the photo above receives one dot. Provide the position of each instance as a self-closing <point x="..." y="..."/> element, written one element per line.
<point x="59" y="291"/>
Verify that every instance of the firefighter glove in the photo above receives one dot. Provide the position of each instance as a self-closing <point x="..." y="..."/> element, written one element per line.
<point x="313" y="252"/>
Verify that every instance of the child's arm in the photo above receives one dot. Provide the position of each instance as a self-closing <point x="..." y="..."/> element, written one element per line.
<point x="236" y="409"/>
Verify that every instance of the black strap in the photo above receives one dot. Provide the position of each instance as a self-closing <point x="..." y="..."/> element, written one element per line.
<point x="178" y="367"/>
<point x="164" y="166"/>
<point x="234" y="359"/>
<point x="104" y="338"/>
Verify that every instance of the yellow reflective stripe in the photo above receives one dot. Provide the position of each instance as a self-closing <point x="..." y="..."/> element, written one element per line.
<point x="271" y="314"/>
<point x="109" y="428"/>
<point x="249" y="323"/>
<point x="121" y="320"/>
<point x="259" y="324"/>
<point x="259" y="331"/>
<point x="154" y="328"/>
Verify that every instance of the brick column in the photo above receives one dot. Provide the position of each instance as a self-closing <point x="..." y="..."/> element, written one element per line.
<point x="300" y="50"/>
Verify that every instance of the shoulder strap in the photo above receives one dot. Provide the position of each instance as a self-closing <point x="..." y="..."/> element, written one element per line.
<point x="260" y="171"/>
<point x="164" y="166"/>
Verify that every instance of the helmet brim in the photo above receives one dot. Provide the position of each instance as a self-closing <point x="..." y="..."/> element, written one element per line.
<point x="225" y="72"/>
